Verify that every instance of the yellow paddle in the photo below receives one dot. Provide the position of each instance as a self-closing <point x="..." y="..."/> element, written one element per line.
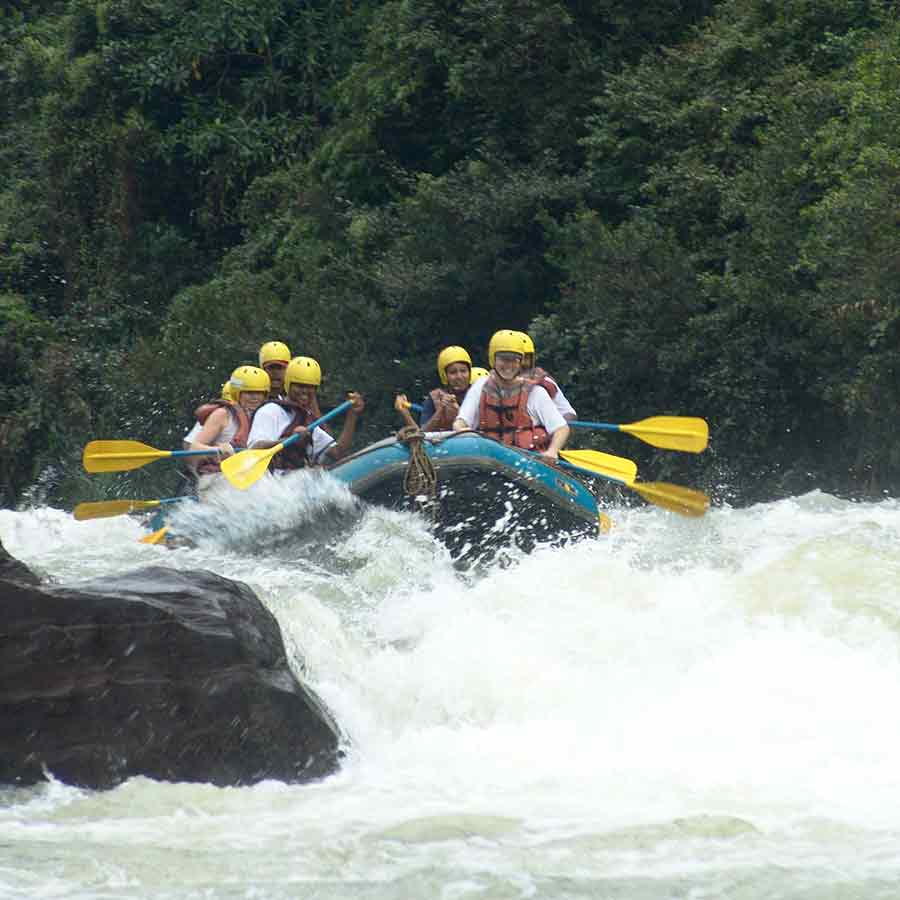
<point x="104" y="508"/>
<point x="120" y="456"/>
<point x="681" y="500"/>
<point x="156" y="537"/>
<point x="603" y="463"/>
<point x="248" y="466"/>
<point x="685" y="433"/>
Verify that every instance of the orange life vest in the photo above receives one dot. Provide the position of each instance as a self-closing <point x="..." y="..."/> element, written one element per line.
<point x="504" y="415"/>
<point x="540" y="377"/>
<point x="210" y="464"/>
<point x="443" y="419"/>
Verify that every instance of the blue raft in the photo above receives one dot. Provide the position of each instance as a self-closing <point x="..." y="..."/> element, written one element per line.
<point x="483" y="493"/>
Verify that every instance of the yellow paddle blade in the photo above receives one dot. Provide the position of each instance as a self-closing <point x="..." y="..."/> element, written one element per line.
<point x="119" y="456"/>
<point x="248" y="466"/>
<point x="604" y="523"/>
<point x="157" y="537"/>
<point x="602" y="463"/>
<point x="105" y="508"/>
<point x="677" y="499"/>
<point x="684" y="433"/>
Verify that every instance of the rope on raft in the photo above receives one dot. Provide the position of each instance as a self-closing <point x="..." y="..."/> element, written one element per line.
<point x="420" y="479"/>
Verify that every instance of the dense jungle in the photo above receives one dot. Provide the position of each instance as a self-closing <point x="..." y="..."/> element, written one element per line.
<point x="691" y="205"/>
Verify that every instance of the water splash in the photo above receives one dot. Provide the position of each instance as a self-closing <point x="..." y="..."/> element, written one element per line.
<point x="664" y="711"/>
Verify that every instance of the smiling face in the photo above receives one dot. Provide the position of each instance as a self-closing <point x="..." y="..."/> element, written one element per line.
<point x="302" y="394"/>
<point x="457" y="376"/>
<point x="251" y="401"/>
<point x="507" y="365"/>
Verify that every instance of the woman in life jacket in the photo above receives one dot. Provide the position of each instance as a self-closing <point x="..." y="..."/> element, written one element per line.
<point x="429" y="411"/>
<point x="537" y="375"/>
<point x="274" y="357"/>
<point x="510" y="409"/>
<point x="225" y="423"/>
<point x="441" y="406"/>
<point x="277" y="420"/>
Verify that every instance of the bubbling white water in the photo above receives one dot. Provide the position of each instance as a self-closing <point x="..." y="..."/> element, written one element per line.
<point x="686" y="702"/>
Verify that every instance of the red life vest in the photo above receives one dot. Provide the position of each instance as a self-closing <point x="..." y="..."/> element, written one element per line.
<point x="504" y="415"/>
<point x="210" y="464"/>
<point x="443" y="419"/>
<point x="540" y="377"/>
<point x="293" y="456"/>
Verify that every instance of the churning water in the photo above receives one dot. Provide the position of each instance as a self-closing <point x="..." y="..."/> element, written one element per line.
<point x="683" y="709"/>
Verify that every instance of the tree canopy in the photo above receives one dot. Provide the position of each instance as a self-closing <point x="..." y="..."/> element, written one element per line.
<point x="689" y="204"/>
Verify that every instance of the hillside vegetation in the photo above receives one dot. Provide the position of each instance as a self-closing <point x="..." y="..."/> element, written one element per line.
<point x="691" y="205"/>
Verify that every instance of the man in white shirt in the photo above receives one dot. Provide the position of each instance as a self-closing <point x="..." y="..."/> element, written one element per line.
<point x="276" y="420"/>
<point x="504" y="411"/>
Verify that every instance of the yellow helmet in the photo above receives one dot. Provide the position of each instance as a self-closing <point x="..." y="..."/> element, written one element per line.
<point x="227" y="393"/>
<point x="477" y="374"/>
<point x="447" y="357"/>
<point x="274" y="351"/>
<point x="528" y="349"/>
<point x="505" y="341"/>
<point x="302" y="370"/>
<point x="249" y="378"/>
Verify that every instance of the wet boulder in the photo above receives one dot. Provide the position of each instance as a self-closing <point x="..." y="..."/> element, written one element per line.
<point x="177" y="676"/>
<point x="14" y="570"/>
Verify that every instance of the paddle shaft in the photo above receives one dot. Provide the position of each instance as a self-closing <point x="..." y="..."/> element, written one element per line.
<point x="603" y="426"/>
<point x="159" y="454"/>
<point x="329" y="415"/>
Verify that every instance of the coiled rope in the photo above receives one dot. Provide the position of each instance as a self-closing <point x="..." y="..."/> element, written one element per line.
<point x="420" y="479"/>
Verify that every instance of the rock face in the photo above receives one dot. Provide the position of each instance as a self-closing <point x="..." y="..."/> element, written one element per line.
<point x="11" y="568"/>
<point x="178" y="676"/>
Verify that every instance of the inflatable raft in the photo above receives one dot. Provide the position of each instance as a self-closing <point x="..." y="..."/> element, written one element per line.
<point x="478" y="492"/>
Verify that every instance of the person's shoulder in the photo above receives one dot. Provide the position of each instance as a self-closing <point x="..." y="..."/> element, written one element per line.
<point x="269" y="408"/>
<point x="219" y="414"/>
<point x="539" y="392"/>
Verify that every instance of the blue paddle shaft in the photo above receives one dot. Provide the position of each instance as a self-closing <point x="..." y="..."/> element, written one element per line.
<point x="603" y="426"/>
<point x="193" y="452"/>
<point x="335" y="412"/>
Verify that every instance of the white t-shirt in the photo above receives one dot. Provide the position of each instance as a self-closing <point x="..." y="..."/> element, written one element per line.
<point x="271" y="420"/>
<point x="561" y="402"/>
<point x="191" y="436"/>
<point x="540" y="407"/>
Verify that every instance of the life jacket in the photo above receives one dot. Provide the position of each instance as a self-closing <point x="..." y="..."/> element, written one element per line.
<point x="540" y="377"/>
<point x="504" y="415"/>
<point x="209" y="465"/>
<point x="293" y="456"/>
<point x="443" y="419"/>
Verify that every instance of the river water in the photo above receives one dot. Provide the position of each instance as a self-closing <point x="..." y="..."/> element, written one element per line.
<point x="682" y="709"/>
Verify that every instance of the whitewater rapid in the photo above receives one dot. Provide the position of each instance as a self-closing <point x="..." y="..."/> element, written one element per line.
<point x="684" y="708"/>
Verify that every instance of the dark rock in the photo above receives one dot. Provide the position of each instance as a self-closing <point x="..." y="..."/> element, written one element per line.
<point x="14" y="570"/>
<point x="178" y="676"/>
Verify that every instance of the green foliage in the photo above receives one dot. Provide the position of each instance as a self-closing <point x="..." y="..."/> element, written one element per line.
<point x="691" y="204"/>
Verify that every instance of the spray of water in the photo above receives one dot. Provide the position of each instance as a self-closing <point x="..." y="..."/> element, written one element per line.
<point x="701" y="706"/>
